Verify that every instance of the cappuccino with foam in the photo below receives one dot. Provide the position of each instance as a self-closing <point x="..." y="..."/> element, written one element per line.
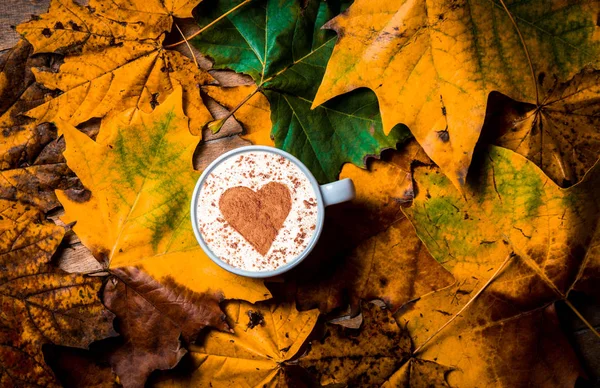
<point x="257" y="211"/>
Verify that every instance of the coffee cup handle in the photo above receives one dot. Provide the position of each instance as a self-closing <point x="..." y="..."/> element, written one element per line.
<point x="337" y="192"/>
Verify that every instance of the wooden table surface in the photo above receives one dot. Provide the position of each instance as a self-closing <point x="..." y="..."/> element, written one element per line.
<point x="78" y="258"/>
<point x="13" y="12"/>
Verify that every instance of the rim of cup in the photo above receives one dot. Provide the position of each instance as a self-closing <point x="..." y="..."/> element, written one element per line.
<point x="295" y="261"/>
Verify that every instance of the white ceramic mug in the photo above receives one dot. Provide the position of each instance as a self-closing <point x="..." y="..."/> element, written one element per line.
<point x="329" y="194"/>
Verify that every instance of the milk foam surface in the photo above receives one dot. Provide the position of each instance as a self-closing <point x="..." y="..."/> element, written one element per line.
<point x="254" y="169"/>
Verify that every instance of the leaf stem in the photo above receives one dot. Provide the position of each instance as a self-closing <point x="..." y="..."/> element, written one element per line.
<point x="188" y="44"/>
<point x="491" y="279"/>
<point x="537" y="95"/>
<point x="222" y="120"/>
<point x="588" y="324"/>
<point x="98" y="272"/>
<point x="209" y="25"/>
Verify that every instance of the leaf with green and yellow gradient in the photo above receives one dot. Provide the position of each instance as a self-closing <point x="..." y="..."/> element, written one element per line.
<point x="513" y="219"/>
<point x="141" y="179"/>
<point x="432" y="64"/>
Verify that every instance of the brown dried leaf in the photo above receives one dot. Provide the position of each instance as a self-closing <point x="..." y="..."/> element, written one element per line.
<point x="560" y="134"/>
<point x="371" y="355"/>
<point x="15" y="75"/>
<point x="32" y="165"/>
<point x="18" y="91"/>
<point x="152" y="316"/>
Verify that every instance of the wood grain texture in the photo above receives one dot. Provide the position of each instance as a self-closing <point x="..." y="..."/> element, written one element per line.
<point x="13" y="12"/>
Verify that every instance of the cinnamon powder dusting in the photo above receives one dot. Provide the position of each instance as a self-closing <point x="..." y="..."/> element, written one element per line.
<point x="257" y="211"/>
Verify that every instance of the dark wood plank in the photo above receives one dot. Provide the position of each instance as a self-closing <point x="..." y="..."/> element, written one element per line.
<point x="13" y="12"/>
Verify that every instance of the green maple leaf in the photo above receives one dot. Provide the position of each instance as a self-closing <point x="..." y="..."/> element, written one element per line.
<point x="280" y="44"/>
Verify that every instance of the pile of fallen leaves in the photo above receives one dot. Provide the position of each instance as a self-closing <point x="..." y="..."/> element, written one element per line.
<point x="444" y="271"/>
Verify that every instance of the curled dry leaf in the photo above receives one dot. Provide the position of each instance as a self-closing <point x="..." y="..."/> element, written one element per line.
<point x="281" y="45"/>
<point x="376" y="354"/>
<point x="433" y="64"/>
<point x="18" y="90"/>
<point x="151" y="317"/>
<point x="368" y="248"/>
<point x="32" y="166"/>
<point x="110" y="66"/>
<point x="561" y="134"/>
<point x="253" y="355"/>
<point x="41" y="304"/>
<point x="514" y="216"/>
<point x="150" y="18"/>
<point x="15" y="75"/>
<point x="141" y="180"/>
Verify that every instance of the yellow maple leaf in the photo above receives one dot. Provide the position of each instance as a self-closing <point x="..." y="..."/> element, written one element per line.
<point x="141" y="179"/>
<point x="109" y="68"/>
<point x="265" y="338"/>
<point x="516" y="243"/>
<point x="432" y="64"/>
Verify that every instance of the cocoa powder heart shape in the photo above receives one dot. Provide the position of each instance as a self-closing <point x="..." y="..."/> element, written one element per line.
<point x="259" y="215"/>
